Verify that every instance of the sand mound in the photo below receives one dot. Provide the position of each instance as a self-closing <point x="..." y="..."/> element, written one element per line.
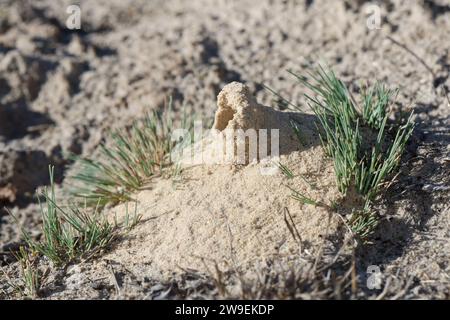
<point x="234" y="215"/>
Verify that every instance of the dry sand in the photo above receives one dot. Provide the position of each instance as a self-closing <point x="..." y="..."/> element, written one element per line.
<point x="62" y="91"/>
<point x="232" y="214"/>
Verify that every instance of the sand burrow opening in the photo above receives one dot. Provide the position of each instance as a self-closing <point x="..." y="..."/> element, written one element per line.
<point x="224" y="115"/>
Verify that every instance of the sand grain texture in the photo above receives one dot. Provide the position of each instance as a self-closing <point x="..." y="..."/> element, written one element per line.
<point x="231" y="214"/>
<point x="228" y="215"/>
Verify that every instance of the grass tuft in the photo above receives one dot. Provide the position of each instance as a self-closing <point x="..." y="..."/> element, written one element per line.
<point x="128" y="162"/>
<point x="69" y="232"/>
<point x="345" y="130"/>
<point x="363" y="223"/>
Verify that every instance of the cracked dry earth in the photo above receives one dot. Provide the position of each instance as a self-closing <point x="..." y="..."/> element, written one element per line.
<point x="62" y="91"/>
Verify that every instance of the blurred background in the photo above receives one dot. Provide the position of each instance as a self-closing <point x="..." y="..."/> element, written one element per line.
<point x="72" y="70"/>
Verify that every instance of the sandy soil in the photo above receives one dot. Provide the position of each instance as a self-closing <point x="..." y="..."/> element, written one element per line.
<point x="62" y="91"/>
